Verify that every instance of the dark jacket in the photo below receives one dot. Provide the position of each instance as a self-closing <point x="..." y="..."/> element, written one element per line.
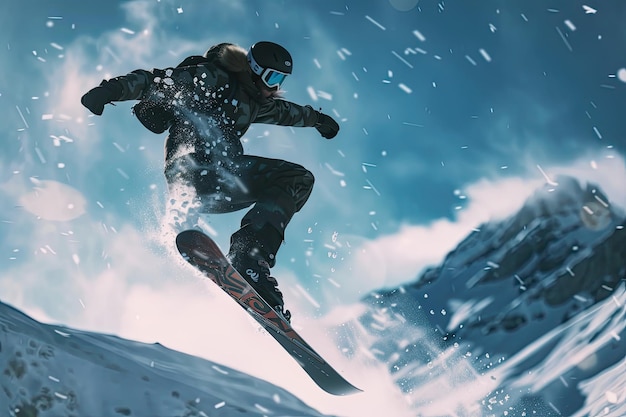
<point x="208" y="103"/>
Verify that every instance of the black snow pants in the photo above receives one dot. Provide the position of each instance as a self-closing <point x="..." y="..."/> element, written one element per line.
<point x="275" y="189"/>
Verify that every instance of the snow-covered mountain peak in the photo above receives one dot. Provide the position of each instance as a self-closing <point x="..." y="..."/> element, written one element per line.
<point x="515" y="296"/>
<point x="558" y="227"/>
<point x="566" y="196"/>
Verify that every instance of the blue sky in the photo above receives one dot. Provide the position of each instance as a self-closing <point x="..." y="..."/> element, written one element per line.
<point x="451" y="114"/>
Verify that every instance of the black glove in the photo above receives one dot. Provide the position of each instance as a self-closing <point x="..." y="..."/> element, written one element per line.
<point x="106" y="92"/>
<point x="326" y="125"/>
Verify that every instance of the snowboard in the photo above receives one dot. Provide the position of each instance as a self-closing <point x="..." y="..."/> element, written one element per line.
<point x="204" y="254"/>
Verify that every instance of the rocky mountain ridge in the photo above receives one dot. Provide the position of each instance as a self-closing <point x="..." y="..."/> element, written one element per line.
<point x="503" y="302"/>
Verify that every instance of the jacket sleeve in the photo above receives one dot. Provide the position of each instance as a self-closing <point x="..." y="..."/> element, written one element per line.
<point x="134" y="84"/>
<point x="286" y="113"/>
<point x="167" y="82"/>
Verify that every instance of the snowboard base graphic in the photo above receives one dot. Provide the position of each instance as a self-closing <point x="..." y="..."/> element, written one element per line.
<point x="203" y="253"/>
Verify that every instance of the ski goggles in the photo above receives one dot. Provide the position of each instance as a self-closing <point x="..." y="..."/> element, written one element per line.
<point x="271" y="78"/>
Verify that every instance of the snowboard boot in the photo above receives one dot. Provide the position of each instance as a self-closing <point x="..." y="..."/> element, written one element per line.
<point x="252" y="253"/>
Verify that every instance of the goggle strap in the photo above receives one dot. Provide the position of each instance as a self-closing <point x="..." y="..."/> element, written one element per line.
<point x="256" y="68"/>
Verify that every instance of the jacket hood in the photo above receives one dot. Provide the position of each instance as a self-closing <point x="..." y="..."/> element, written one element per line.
<point x="234" y="58"/>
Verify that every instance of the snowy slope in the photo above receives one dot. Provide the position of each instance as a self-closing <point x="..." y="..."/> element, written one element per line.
<point x="525" y="316"/>
<point x="55" y="371"/>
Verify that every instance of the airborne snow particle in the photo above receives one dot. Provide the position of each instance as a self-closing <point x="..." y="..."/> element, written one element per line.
<point x="469" y="58"/>
<point x="404" y="61"/>
<point x="570" y="25"/>
<point x="308" y="296"/>
<point x="370" y="186"/>
<point x="589" y="10"/>
<point x="485" y="55"/>
<point x="22" y="117"/>
<point x="122" y="173"/>
<point x="61" y="396"/>
<point x="597" y="132"/>
<point x="611" y="397"/>
<point x="312" y="93"/>
<point x="404" y="88"/>
<point x="119" y="148"/>
<point x="419" y="35"/>
<point x="375" y="22"/>
<point x="334" y="171"/>
<point x="621" y="75"/>
<point x="549" y="181"/>
<point x="412" y="124"/>
<point x="324" y="95"/>
<point x="565" y="41"/>
<point x="221" y="371"/>
<point x="42" y="159"/>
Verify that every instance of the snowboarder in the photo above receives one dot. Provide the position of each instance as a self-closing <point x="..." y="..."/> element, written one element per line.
<point x="208" y="103"/>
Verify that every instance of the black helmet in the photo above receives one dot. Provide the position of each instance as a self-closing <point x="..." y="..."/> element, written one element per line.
<point x="271" y="62"/>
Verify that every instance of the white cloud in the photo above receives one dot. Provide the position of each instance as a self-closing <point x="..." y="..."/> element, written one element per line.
<point x="52" y="200"/>
<point x="395" y="259"/>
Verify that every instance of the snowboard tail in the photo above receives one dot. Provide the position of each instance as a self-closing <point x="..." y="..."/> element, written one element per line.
<point x="203" y="253"/>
